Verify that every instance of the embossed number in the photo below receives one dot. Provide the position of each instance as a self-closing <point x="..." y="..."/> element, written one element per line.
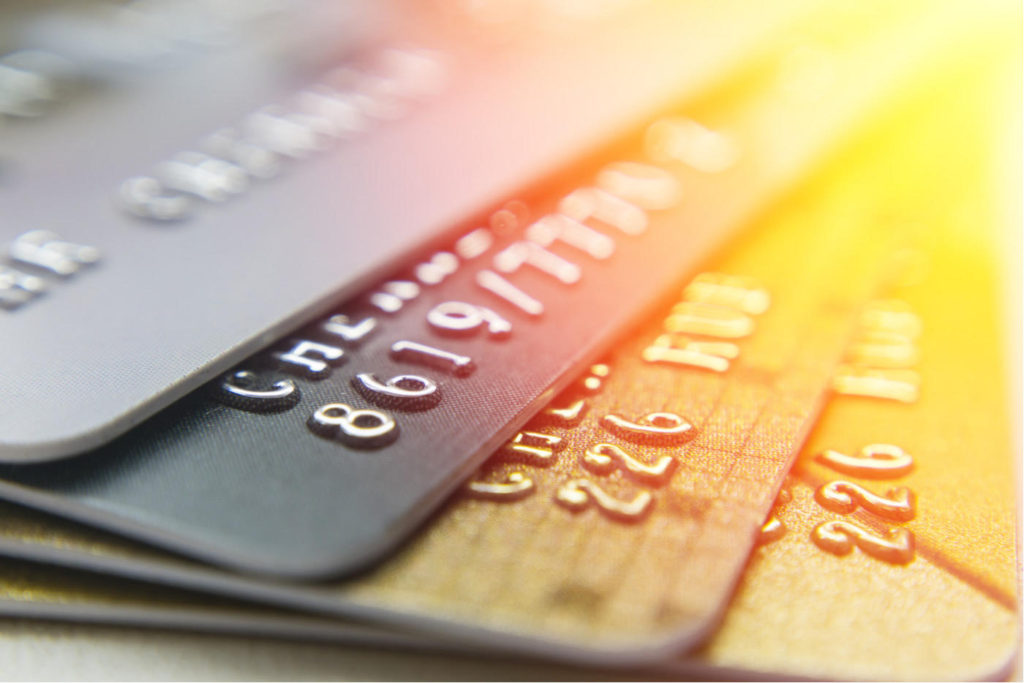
<point x="535" y="447"/>
<point x="357" y="428"/>
<point x="578" y="494"/>
<point x="659" y="429"/>
<point x="457" y="318"/>
<point x="516" y="486"/>
<point x="839" y="537"/>
<point x="875" y="461"/>
<point x="404" y="392"/>
<point x="603" y="458"/>
<point x="239" y="390"/>
<point x="898" y="505"/>
<point x="414" y="352"/>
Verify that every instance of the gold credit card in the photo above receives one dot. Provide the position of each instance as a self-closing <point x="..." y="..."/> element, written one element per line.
<point x="892" y="552"/>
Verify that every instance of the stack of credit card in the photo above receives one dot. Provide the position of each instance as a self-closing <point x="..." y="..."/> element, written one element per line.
<point x="647" y="338"/>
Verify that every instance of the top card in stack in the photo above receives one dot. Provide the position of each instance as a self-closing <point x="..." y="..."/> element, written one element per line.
<point x="181" y="184"/>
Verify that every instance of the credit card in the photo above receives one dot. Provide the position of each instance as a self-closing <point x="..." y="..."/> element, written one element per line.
<point x="894" y="553"/>
<point x="901" y="596"/>
<point x="434" y="390"/>
<point x="211" y="200"/>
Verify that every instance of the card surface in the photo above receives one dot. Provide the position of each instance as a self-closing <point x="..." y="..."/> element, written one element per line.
<point x="267" y="469"/>
<point x="213" y="225"/>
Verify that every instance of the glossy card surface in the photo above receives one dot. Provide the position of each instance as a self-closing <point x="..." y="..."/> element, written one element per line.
<point x="154" y="234"/>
